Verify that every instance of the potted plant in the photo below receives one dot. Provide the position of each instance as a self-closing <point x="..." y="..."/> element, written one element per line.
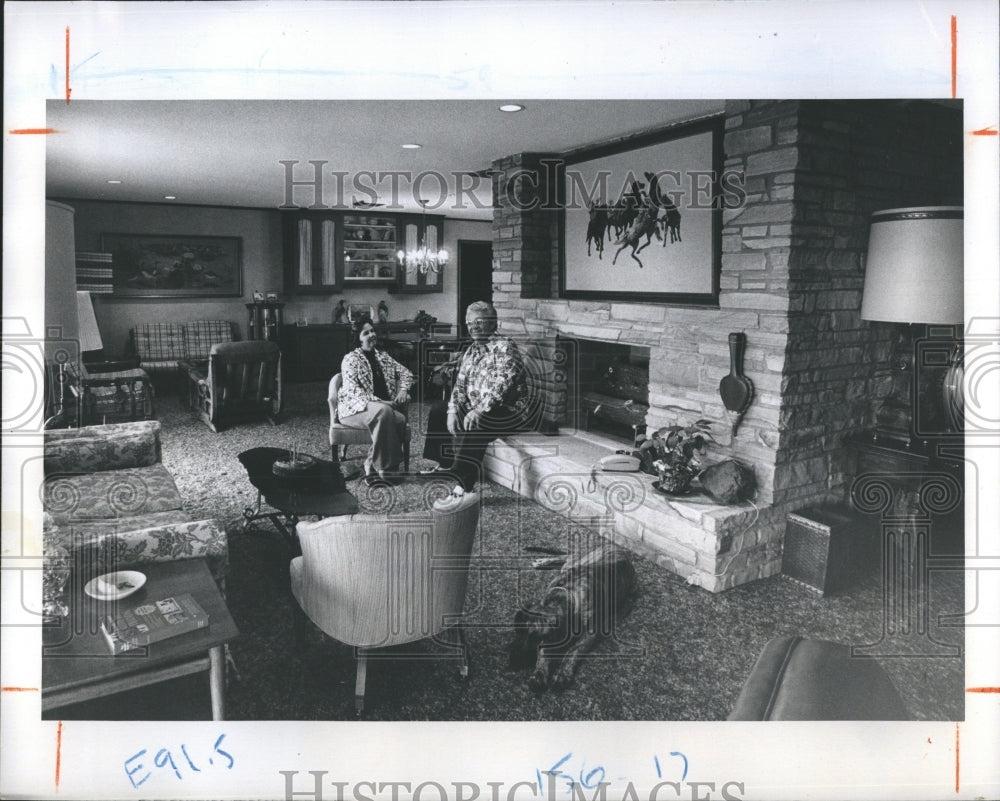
<point x="675" y="453"/>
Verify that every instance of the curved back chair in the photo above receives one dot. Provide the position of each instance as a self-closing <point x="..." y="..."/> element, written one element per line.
<point x="373" y="581"/>
<point x="342" y="436"/>
<point x="243" y="382"/>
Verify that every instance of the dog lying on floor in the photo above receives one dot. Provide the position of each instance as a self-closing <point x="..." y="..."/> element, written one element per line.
<point x="580" y="607"/>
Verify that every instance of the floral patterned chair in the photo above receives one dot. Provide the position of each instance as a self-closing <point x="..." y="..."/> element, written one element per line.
<point x="109" y="501"/>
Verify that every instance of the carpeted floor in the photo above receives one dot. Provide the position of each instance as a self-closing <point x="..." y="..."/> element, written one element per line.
<point x="681" y="654"/>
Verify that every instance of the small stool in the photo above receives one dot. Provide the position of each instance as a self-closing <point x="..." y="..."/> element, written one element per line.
<point x="800" y="679"/>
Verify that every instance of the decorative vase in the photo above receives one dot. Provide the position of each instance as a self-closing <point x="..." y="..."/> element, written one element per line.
<point x="56" y="568"/>
<point x="675" y="482"/>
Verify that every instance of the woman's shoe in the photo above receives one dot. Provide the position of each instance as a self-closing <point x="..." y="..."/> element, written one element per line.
<point x="390" y="477"/>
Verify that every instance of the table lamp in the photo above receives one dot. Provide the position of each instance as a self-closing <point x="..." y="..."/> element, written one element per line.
<point x="91" y="344"/>
<point x="914" y="275"/>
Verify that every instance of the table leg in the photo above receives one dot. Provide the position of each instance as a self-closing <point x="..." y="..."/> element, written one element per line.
<point x="217" y="682"/>
<point x="251" y="513"/>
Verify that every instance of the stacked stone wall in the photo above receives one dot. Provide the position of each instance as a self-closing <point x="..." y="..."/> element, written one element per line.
<point x="792" y="270"/>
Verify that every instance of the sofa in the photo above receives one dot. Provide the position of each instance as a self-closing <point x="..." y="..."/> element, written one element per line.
<point x="161" y="347"/>
<point x="108" y="500"/>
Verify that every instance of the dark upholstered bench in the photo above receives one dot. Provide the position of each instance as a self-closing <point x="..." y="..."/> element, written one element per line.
<point x="800" y="679"/>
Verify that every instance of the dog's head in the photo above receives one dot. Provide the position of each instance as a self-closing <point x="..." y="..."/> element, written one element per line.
<point x="539" y="624"/>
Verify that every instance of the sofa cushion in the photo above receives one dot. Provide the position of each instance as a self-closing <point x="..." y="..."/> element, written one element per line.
<point x="115" y="446"/>
<point x="200" y="335"/>
<point x="83" y="529"/>
<point x="158" y="342"/>
<point x="110" y="494"/>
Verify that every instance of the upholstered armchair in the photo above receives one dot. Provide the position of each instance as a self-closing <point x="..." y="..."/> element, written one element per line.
<point x="373" y="581"/>
<point x="341" y="436"/>
<point x="243" y="382"/>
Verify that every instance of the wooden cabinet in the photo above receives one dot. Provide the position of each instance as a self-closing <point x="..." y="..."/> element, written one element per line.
<point x="313" y="352"/>
<point x="312" y="242"/>
<point x="264" y="321"/>
<point x="369" y="250"/>
<point x="328" y="252"/>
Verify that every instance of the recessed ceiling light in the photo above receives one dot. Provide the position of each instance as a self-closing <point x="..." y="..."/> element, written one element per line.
<point x="114" y="182"/>
<point x="511" y="107"/>
<point x="411" y="146"/>
<point x="170" y="197"/>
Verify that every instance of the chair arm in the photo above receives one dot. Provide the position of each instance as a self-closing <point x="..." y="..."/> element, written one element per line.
<point x="108" y="551"/>
<point x="112" y="366"/>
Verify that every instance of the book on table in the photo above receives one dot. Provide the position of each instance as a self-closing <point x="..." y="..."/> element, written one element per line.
<point x="152" y="621"/>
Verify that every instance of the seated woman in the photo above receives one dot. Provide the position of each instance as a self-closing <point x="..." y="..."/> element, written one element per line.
<point x="375" y="394"/>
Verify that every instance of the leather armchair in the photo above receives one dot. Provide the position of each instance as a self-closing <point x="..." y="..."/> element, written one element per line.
<point x="800" y="679"/>
<point x="374" y="581"/>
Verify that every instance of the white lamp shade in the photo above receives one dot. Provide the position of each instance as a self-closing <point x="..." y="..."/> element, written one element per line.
<point x="90" y="334"/>
<point x="914" y="272"/>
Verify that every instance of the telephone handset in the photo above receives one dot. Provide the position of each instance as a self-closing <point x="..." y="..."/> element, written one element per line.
<point x="619" y="463"/>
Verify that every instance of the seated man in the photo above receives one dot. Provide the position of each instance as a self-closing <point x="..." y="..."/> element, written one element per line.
<point x="489" y="399"/>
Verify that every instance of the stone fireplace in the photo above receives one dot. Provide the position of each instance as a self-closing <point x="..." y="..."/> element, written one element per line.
<point x="792" y="271"/>
<point x="607" y="387"/>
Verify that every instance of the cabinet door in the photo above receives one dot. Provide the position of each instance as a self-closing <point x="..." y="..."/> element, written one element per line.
<point x="369" y="250"/>
<point x="311" y="243"/>
<point x="416" y="232"/>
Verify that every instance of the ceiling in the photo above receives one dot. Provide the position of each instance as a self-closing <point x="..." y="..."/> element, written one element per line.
<point x="229" y="152"/>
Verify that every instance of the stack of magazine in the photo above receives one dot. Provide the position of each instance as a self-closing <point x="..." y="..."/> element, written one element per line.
<point x="152" y="621"/>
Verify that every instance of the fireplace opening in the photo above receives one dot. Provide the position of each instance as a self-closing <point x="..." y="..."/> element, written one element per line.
<point x="607" y="387"/>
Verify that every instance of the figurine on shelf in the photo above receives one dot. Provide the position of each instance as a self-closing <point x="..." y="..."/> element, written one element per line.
<point x="383" y="312"/>
<point x="424" y="321"/>
<point x="258" y="296"/>
<point x="340" y="312"/>
<point x="272" y="297"/>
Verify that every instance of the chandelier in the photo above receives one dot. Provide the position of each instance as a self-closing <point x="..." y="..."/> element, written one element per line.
<point x="425" y="257"/>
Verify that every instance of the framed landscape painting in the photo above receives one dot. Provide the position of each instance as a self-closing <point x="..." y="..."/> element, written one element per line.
<point x="174" y="266"/>
<point x="642" y="218"/>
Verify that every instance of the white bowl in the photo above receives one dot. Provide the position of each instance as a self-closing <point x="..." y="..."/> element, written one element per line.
<point x="112" y="586"/>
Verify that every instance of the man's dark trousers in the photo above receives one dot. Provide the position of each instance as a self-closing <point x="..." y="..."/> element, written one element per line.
<point x="462" y="455"/>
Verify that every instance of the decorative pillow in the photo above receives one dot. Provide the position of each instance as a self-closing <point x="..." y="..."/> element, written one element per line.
<point x="200" y="335"/>
<point x="109" y="447"/>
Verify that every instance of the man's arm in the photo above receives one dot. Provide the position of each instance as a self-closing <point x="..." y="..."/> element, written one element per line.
<point x="459" y="398"/>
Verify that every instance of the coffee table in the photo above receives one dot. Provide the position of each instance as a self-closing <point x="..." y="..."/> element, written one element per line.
<point x="77" y="664"/>
<point x="197" y="371"/>
<point x="322" y="491"/>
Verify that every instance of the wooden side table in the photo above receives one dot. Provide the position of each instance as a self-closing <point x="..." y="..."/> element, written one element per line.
<point x="77" y="664"/>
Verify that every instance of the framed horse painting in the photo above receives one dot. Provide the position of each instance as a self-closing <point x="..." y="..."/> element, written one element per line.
<point x="642" y="217"/>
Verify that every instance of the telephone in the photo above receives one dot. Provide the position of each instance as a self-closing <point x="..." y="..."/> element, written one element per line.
<point x="619" y="463"/>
